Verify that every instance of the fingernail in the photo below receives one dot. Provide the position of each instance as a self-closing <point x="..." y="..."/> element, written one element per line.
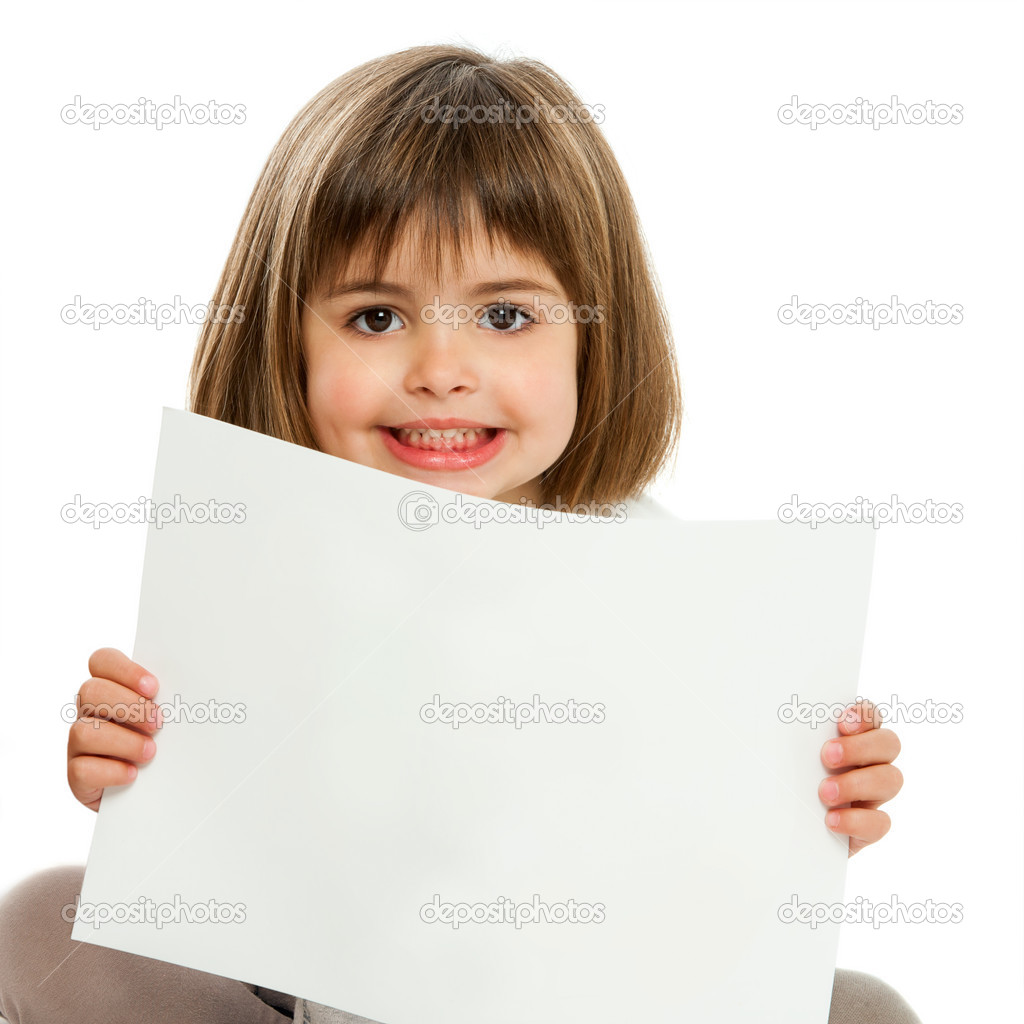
<point x="830" y="791"/>
<point x="148" y="749"/>
<point x="832" y="819"/>
<point x="148" y="685"/>
<point x="158" y="716"/>
<point x="833" y="752"/>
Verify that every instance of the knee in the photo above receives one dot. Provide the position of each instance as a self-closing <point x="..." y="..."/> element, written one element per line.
<point x="859" y="998"/>
<point x="39" y="908"/>
<point x="35" y="929"/>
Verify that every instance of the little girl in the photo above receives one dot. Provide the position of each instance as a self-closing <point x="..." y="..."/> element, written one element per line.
<point x="440" y="274"/>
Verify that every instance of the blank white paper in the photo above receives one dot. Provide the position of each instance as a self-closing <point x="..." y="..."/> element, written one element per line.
<point x="326" y="813"/>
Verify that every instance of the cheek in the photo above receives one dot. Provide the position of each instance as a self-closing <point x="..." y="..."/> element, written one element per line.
<point x="340" y="396"/>
<point x="546" y="393"/>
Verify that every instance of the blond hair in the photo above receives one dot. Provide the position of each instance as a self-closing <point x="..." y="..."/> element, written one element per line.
<point x="361" y="160"/>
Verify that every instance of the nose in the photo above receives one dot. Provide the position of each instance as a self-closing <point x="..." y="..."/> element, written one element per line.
<point x="442" y="359"/>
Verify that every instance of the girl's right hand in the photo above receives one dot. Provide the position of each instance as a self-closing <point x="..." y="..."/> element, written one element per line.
<point x="114" y="728"/>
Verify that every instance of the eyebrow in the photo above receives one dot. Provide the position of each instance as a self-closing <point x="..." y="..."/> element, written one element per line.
<point x="515" y="284"/>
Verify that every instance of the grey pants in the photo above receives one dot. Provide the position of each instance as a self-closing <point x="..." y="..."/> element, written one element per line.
<point x="45" y="978"/>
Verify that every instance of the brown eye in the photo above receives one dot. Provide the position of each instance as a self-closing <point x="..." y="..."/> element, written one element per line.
<point x="378" y="319"/>
<point x="503" y="316"/>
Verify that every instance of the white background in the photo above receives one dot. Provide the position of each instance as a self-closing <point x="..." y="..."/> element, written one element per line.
<point x="741" y="213"/>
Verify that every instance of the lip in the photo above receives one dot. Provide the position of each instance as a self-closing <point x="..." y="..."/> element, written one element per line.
<point x="443" y="460"/>
<point x="435" y="424"/>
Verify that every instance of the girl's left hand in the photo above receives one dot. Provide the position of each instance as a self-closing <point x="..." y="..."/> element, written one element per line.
<point x="863" y="776"/>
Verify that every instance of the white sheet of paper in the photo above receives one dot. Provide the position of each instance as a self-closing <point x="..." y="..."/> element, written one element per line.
<point x="332" y="813"/>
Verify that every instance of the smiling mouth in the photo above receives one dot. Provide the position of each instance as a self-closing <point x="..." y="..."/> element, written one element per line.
<point x="455" y="440"/>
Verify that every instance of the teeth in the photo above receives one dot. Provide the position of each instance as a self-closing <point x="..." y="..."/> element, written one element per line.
<point x="446" y="434"/>
<point x="457" y="437"/>
<point x="438" y="433"/>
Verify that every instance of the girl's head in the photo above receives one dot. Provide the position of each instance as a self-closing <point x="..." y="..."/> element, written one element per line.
<point x="441" y="235"/>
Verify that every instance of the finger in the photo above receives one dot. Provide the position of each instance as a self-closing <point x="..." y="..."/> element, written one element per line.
<point x="862" y="825"/>
<point x="871" y="785"/>
<point x="89" y="776"/>
<point x="108" y="739"/>
<point x="101" y="698"/>
<point x="110" y="663"/>
<point x="875" y="747"/>
<point x="859" y="717"/>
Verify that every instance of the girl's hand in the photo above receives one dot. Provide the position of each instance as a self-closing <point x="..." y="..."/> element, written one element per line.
<point x="114" y="726"/>
<point x="863" y="776"/>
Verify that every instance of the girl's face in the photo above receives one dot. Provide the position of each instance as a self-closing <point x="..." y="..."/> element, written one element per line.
<point x="380" y="360"/>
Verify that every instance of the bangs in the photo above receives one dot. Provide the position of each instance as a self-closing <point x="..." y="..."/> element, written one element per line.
<point x="399" y="166"/>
